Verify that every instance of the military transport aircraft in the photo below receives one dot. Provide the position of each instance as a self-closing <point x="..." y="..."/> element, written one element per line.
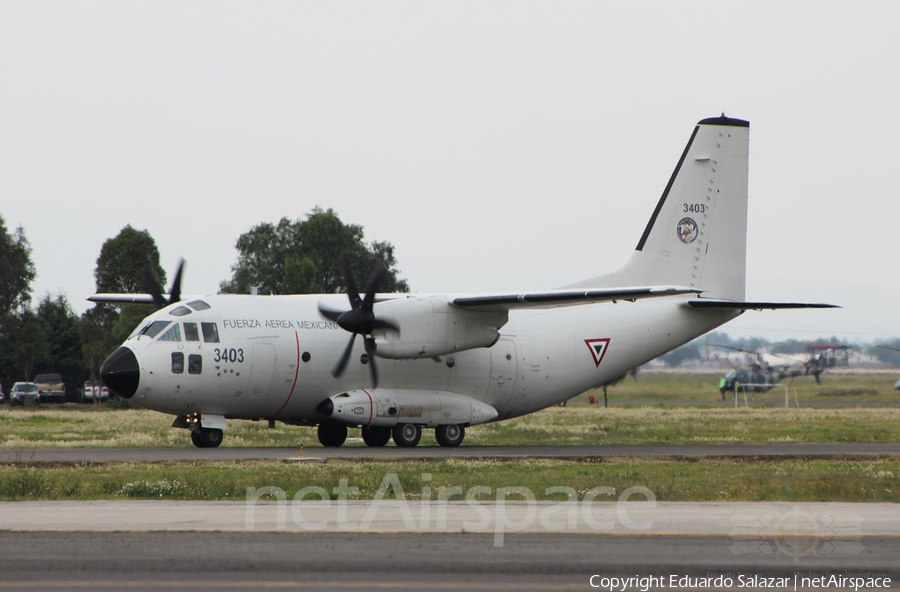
<point x="448" y="361"/>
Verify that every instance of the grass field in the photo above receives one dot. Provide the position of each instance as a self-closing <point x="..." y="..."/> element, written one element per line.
<point x="574" y="424"/>
<point x="655" y="409"/>
<point x="698" y="480"/>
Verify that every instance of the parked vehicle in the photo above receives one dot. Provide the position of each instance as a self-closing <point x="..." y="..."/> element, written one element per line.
<point x="51" y="387"/>
<point x="94" y="389"/>
<point x="2" y="395"/>
<point x="24" y="391"/>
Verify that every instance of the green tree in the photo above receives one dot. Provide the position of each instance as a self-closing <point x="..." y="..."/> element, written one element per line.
<point x="305" y="257"/>
<point x="30" y="343"/>
<point x="64" y="351"/>
<point x="97" y="341"/>
<point x="16" y="272"/>
<point x="124" y="262"/>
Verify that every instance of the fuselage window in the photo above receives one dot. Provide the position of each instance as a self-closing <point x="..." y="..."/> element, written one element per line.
<point x="154" y="328"/>
<point x="191" y="333"/>
<point x="198" y="305"/>
<point x="177" y="363"/>
<point x="195" y="364"/>
<point x="180" y="311"/>
<point x="210" y="332"/>
<point x="173" y="334"/>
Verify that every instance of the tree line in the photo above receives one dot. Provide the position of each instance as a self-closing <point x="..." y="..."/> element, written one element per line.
<point x="303" y="256"/>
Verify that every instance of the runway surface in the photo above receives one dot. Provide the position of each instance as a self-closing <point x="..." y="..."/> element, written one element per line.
<point x="146" y="545"/>
<point x="228" y="453"/>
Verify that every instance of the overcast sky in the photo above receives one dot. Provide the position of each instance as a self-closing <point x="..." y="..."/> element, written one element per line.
<point x="496" y="145"/>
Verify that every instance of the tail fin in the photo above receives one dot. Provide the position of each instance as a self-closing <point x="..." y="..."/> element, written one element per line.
<point x="697" y="236"/>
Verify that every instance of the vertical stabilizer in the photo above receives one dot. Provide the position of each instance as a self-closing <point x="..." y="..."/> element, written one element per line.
<point x="697" y="236"/>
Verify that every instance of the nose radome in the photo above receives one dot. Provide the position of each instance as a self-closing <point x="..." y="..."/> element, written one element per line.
<point x="121" y="373"/>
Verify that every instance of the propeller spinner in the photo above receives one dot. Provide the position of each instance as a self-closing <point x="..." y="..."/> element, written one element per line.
<point x="359" y="320"/>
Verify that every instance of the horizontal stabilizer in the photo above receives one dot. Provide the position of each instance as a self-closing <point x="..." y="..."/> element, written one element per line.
<point x="554" y="298"/>
<point x="732" y="305"/>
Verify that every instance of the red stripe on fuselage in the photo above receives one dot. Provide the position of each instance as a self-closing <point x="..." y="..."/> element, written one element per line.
<point x="296" y="374"/>
<point x="371" y="406"/>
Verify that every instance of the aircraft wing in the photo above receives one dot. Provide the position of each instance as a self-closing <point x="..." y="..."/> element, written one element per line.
<point x="127" y="298"/>
<point x="735" y="305"/>
<point x="555" y="298"/>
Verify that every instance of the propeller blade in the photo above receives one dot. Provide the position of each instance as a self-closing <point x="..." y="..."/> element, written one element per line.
<point x="331" y="315"/>
<point x="154" y="290"/>
<point x="374" y="280"/>
<point x="345" y="357"/>
<point x="352" y="292"/>
<point x="175" y="292"/>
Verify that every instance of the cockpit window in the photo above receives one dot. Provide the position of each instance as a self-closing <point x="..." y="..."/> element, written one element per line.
<point x="191" y="332"/>
<point x="154" y="328"/>
<point x="210" y="332"/>
<point x="173" y="334"/>
<point x="180" y="311"/>
<point x="198" y="305"/>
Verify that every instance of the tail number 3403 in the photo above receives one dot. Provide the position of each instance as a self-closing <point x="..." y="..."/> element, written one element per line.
<point x="229" y="355"/>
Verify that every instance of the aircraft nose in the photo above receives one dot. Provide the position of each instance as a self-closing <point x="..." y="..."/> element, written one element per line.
<point x="121" y="373"/>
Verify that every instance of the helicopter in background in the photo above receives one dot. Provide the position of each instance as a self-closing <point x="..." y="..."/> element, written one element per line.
<point x="760" y="377"/>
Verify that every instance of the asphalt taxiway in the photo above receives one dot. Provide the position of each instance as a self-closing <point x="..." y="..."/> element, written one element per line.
<point x="171" y="545"/>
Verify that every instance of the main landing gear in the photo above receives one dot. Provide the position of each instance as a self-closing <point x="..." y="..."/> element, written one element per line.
<point x="206" y="437"/>
<point x="405" y="435"/>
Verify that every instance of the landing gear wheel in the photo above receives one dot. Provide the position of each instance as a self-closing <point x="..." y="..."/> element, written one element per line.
<point x="375" y="437"/>
<point x="407" y="435"/>
<point x="332" y="435"/>
<point x="450" y="435"/>
<point x="206" y="437"/>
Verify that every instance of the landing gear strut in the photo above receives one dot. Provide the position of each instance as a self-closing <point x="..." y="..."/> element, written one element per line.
<point x="206" y="437"/>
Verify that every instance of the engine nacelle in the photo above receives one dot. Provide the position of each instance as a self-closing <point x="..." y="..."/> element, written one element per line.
<point x="430" y="326"/>
<point x="388" y="407"/>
